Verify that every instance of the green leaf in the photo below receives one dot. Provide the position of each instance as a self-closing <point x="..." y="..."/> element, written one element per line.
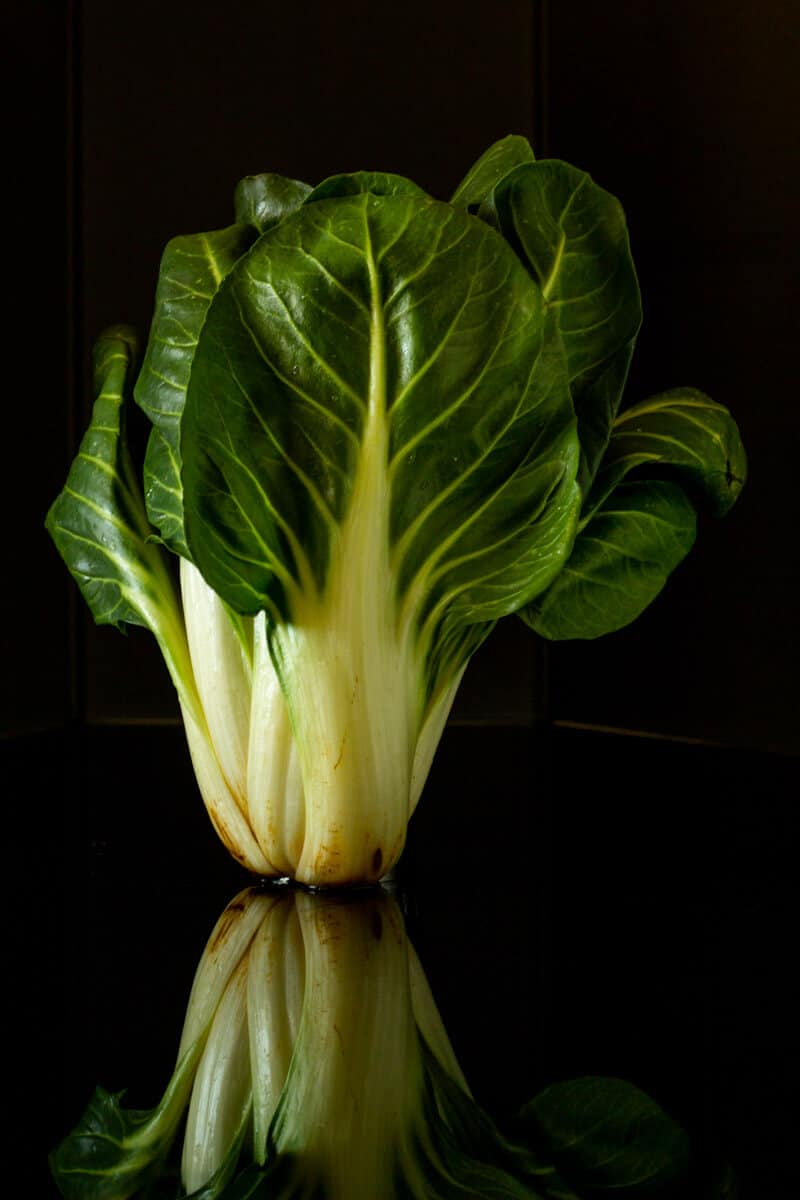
<point x="596" y="404"/>
<point x="281" y="1179"/>
<point x="572" y="236"/>
<point x="114" y="1152"/>
<point x="684" y="432"/>
<point x="477" y="187"/>
<point x="606" y="1136"/>
<point x="98" y="522"/>
<point x="356" y="183"/>
<point x="192" y="269"/>
<point x="100" y="528"/>
<point x="620" y="561"/>
<point x="261" y="201"/>
<point x="664" y="456"/>
<point x="460" y="1152"/>
<point x="394" y="344"/>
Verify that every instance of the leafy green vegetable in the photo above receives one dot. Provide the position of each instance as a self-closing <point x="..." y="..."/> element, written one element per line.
<point x="380" y="423"/>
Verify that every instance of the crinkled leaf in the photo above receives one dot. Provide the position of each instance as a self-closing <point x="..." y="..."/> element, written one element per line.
<point x="98" y="522"/>
<point x="476" y="190"/>
<point x="619" y="563"/>
<point x="681" y="431"/>
<point x="637" y="524"/>
<point x="572" y="236"/>
<point x="100" y="528"/>
<point x="263" y="200"/>
<point x="395" y="336"/>
<point x="606" y="1137"/>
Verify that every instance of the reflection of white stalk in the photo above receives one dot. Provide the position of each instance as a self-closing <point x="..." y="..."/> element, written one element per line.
<point x="221" y="1096"/>
<point x="313" y="1061"/>
<point x="312" y="1013"/>
<point x="353" y="1091"/>
<point x="275" y="987"/>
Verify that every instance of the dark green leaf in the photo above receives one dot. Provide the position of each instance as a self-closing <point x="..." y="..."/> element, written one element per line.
<point x="461" y="1153"/>
<point x="281" y="1179"/>
<point x="376" y="183"/>
<point x="607" y="1137"/>
<point x="681" y="431"/>
<point x="637" y="525"/>
<point x="572" y="236"/>
<point x="115" y="1153"/>
<point x="596" y="404"/>
<point x="98" y="521"/>
<point x="619" y="563"/>
<point x="393" y="322"/>
<point x="100" y="528"/>
<point x="263" y="200"/>
<point x="477" y="187"/>
<point x="192" y="269"/>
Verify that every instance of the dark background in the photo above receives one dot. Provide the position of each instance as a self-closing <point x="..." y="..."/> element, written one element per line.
<point x="134" y="125"/>
<point x="630" y="905"/>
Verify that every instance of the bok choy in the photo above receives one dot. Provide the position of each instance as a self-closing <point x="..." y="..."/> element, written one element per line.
<point x="380" y="423"/>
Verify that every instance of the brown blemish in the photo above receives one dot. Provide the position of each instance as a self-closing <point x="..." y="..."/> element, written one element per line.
<point x="377" y="861"/>
<point x="226" y="924"/>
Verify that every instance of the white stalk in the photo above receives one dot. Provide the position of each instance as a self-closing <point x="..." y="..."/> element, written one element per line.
<point x="222" y="675"/>
<point x="349" y="677"/>
<point x="274" y="782"/>
<point x="222" y="808"/>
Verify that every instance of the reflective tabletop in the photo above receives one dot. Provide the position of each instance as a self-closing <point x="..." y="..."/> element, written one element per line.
<point x="589" y="937"/>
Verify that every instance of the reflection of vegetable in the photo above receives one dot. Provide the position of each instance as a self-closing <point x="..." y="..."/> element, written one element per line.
<point x="379" y="423"/>
<point x="314" y="1063"/>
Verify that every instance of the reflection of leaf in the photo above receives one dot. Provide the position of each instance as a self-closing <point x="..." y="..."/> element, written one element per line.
<point x="115" y="1152"/>
<point x="604" y="1135"/>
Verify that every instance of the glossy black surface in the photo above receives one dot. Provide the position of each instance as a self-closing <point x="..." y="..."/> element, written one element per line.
<point x="582" y="904"/>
